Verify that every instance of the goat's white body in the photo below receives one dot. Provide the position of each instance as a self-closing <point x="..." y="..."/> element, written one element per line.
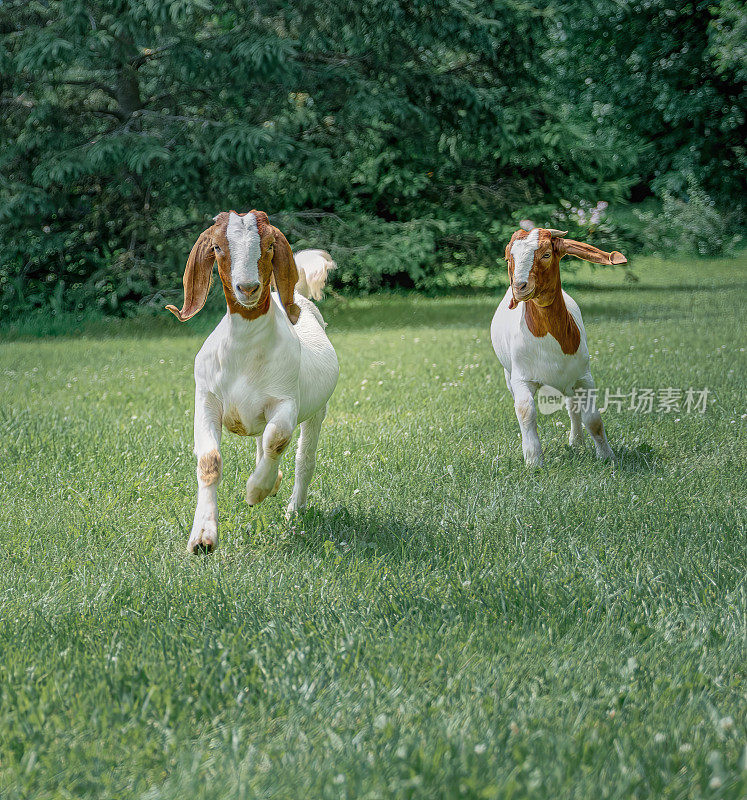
<point x="537" y="358"/>
<point x="531" y="361"/>
<point x="260" y="378"/>
<point x="248" y="364"/>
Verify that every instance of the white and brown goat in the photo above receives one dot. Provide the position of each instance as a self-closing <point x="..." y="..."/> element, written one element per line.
<point x="539" y="337"/>
<point x="266" y="367"/>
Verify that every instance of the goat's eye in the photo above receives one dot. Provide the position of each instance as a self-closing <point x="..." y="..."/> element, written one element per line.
<point x="217" y="248"/>
<point x="546" y="255"/>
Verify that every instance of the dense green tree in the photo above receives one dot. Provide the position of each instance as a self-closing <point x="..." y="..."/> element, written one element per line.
<point x="665" y="77"/>
<point x="407" y="137"/>
<point x="402" y="135"/>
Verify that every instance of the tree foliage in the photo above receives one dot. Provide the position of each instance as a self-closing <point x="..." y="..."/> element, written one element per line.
<point x="667" y="78"/>
<point x="406" y="137"/>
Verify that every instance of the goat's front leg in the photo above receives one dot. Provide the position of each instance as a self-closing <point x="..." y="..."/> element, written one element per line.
<point x="305" y="461"/>
<point x="260" y="453"/>
<point x="208" y="421"/>
<point x="277" y="434"/>
<point x="591" y="417"/>
<point x="526" y="413"/>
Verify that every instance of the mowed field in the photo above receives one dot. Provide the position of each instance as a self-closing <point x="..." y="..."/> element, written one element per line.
<point x="442" y="623"/>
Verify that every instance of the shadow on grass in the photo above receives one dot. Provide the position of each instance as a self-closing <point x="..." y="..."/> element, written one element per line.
<point x="343" y="532"/>
<point x="628" y="459"/>
<point x="643" y="458"/>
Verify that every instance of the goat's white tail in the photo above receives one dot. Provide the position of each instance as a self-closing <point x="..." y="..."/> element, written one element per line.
<point x="313" y="266"/>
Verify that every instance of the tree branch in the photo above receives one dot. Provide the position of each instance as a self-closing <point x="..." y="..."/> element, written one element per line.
<point x="146" y="55"/>
<point x="175" y="117"/>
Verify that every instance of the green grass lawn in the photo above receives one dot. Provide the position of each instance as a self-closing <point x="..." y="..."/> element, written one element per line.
<point x="442" y="623"/>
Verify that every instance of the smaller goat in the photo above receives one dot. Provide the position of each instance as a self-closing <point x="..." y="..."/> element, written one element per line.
<point x="530" y="357"/>
<point x="267" y="367"/>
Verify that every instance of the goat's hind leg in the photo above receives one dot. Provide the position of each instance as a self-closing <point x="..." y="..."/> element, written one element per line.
<point x="305" y="461"/>
<point x="592" y="419"/>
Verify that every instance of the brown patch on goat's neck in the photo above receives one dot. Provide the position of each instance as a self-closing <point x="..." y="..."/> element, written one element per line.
<point x="234" y="307"/>
<point x="555" y="319"/>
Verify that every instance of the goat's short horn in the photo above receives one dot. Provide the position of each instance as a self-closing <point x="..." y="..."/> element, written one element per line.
<point x="555" y="233"/>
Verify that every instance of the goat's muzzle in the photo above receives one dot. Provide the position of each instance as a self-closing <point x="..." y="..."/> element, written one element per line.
<point x="521" y="292"/>
<point x="248" y="294"/>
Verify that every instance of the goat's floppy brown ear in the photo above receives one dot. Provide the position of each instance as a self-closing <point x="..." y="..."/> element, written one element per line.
<point x="589" y="253"/>
<point x="285" y="274"/>
<point x="197" y="275"/>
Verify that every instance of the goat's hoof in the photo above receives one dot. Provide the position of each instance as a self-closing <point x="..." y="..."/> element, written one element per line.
<point x="533" y="458"/>
<point x="202" y="541"/>
<point x="293" y="510"/>
<point x="255" y="494"/>
<point x="607" y="455"/>
<point x="576" y="442"/>
<point x="277" y="484"/>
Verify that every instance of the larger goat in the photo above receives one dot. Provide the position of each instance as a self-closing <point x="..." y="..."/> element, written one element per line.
<point x="539" y="337"/>
<point x="266" y="367"/>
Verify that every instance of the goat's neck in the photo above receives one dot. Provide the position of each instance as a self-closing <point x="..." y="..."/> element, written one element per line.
<point x="257" y="330"/>
<point x="555" y="319"/>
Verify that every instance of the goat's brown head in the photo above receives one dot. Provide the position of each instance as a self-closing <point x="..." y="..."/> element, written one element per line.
<point x="534" y="263"/>
<point x="251" y="255"/>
